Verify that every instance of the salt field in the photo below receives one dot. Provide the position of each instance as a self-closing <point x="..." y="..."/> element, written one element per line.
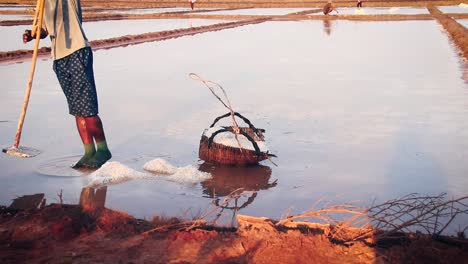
<point x="150" y="10"/>
<point x="15" y="17"/>
<point x="258" y="11"/>
<point x="459" y="9"/>
<point x="464" y="22"/>
<point x="353" y="110"/>
<point x="377" y="11"/>
<point x="105" y="29"/>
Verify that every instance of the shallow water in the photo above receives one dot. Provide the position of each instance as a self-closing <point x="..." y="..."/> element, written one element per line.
<point x="354" y="111"/>
<point x="453" y="9"/>
<point x="15" y="17"/>
<point x="16" y="7"/>
<point x="103" y="30"/>
<point x="463" y="22"/>
<point x="378" y="11"/>
<point x="258" y="11"/>
<point x="151" y="10"/>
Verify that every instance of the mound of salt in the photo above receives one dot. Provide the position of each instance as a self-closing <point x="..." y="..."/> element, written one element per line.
<point x="229" y="139"/>
<point x="188" y="174"/>
<point x="359" y="12"/>
<point x="463" y="5"/>
<point x="160" y="166"/>
<point x="111" y="173"/>
<point x="393" y="10"/>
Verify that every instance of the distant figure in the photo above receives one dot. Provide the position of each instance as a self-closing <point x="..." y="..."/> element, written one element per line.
<point x="327" y="26"/>
<point x="328" y="8"/>
<point x="192" y="3"/>
<point x="359" y="3"/>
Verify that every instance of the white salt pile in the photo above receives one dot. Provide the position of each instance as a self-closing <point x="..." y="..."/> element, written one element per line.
<point x="393" y="10"/>
<point x="188" y="174"/>
<point x="229" y="139"/>
<point x="112" y="173"/>
<point x="463" y="5"/>
<point x="160" y="166"/>
<point x="359" y="12"/>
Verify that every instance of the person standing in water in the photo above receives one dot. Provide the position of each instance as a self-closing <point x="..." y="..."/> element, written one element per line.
<point x="73" y="65"/>
<point x="328" y="8"/>
<point x="192" y="3"/>
<point x="359" y="4"/>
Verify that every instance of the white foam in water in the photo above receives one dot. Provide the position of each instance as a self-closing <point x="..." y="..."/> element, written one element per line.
<point x="187" y="174"/>
<point x="112" y="173"/>
<point x="160" y="166"/>
<point x="229" y="139"/>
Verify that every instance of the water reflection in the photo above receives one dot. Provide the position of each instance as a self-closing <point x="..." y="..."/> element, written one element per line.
<point x="235" y="188"/>
<point x="327" y="26"/>
<point x="93" y="199"/>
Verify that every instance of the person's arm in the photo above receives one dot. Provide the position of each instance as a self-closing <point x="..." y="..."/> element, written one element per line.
<point x="28" y="36"/>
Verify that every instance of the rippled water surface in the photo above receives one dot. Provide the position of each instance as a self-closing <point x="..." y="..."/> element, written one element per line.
<point x="354" y="111"/>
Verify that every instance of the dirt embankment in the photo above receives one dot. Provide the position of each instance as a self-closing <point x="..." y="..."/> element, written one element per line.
<point x="244" y="3"/>
<point x="71" y="233"/>
<point x="457" y="32"/>
<point x="21" y="55"/>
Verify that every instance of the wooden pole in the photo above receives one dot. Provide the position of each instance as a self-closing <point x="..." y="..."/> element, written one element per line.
<point x="37" y="27"/>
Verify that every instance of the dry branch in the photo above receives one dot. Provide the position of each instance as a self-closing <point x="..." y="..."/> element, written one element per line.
<point x="410" y="213"/>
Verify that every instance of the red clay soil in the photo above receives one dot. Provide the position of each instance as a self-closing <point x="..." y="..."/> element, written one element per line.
<point x="71" y="234"/>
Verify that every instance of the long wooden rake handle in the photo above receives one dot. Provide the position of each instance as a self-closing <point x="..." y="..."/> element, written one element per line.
<point x="37" y="26"/>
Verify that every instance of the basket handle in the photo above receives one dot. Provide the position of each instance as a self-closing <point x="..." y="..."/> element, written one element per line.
<point x="247" y="121"/>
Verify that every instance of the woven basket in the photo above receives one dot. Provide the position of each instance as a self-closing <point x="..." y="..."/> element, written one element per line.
<point x="215" y="153"/>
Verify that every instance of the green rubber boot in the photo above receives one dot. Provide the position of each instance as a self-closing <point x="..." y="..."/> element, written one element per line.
<point x="100" y="157"/>
<point x="90" y="151"/>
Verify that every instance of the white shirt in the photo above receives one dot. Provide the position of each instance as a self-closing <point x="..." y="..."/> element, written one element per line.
<point x="62" y="20"/>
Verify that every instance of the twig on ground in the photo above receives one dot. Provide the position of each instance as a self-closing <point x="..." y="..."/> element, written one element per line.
<point x="407" y="214"/>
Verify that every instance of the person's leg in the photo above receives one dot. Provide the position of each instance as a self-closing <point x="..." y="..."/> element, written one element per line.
<point x="96" y="130"/>
<point x="87" y="140"/>
<point x="63" y="71"/>
<point x="84" y="103"/>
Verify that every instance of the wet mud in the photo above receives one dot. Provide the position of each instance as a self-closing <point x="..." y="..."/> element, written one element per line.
<point x="88" y="233"/>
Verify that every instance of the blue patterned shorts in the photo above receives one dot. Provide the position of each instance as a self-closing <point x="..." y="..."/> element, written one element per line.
<point x="76" y="77"/>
